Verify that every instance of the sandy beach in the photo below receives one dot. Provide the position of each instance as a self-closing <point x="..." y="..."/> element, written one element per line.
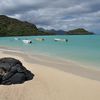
<point x="54" y="80"/>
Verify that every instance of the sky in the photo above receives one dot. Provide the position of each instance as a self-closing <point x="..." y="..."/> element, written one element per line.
<point x="55" y="14"/>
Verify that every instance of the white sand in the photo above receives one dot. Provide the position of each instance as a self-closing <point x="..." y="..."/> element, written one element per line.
<point x="50" y="84"/>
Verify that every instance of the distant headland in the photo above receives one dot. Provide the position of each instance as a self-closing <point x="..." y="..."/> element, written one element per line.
<point x="79" y="31"/>
<point x="14" y="27"/>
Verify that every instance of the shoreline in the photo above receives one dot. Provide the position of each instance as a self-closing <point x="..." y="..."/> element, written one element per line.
<point x="52" y="81"/>
<point x="81" y="64"/>
<point x="65" y="66"/>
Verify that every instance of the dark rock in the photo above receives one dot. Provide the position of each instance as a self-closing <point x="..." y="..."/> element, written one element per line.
<point x="13" y="72"/>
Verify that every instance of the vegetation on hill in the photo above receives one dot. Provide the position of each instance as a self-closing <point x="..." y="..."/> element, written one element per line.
<point x="14" y="27"/>
<point x="79" y="31"/>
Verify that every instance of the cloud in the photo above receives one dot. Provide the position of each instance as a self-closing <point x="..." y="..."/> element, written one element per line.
<point x="58" y="14"/>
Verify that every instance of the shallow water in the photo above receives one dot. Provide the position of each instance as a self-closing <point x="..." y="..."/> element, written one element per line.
<point x="84" y="49"/>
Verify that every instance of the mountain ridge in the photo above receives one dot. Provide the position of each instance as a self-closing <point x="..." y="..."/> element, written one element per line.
<point x="78" y="31"/>
<point x="14" y="27"/>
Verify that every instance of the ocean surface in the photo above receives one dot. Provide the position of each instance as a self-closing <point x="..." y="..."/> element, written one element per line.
<point x="84" y="49"/>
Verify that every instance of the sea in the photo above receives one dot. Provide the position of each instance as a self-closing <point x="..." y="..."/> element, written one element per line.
<point x="83" y="49"/>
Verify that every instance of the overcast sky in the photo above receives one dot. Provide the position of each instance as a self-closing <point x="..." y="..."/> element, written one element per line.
<point x="56" y="14"/>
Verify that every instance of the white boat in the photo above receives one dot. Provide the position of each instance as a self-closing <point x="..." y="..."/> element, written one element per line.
<point x="27" y="41"/>
<point x="39" y="39"/>
<point x="16" y="38"/>
<point x="61" y="40"/>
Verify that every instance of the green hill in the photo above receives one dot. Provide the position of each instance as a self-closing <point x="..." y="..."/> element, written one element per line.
<point x="79" y="31"/>
<point x="13" y="27"/>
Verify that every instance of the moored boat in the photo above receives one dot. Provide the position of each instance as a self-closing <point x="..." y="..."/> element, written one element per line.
<point x="27" y="41"/>
<point x="17" y="38"/>
<point x="39" y="39"/>
<point x="61" y="40"/>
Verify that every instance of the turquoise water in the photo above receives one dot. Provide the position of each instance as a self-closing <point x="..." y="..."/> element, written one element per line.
<point x="84" y="49"/>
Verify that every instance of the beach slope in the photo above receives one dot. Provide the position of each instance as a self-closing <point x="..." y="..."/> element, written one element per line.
<point x="50" y="84"/>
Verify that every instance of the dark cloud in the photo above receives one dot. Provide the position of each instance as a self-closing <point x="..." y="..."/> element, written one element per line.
<point x="58" y="14"/>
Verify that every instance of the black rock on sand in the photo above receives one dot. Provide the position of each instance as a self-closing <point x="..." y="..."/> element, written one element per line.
<point x="13" y="72"/>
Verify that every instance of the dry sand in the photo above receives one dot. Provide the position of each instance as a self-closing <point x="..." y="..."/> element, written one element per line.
<point x="50" y="83"/>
